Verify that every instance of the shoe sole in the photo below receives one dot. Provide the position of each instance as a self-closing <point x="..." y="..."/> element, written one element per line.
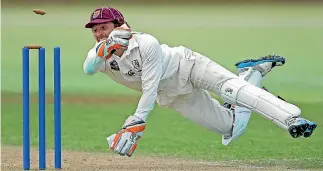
<point x="304" y="129"/>
<point x="254" y="62"/>
<point x="226" y="141"/>
<point x="310" y="130"/>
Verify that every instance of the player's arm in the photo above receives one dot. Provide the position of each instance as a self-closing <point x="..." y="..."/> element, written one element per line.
<point x="124" y="142"/>
<point x="118" y="40"/>
<point x="151" y="74"/>
<point x="92" y="62"/>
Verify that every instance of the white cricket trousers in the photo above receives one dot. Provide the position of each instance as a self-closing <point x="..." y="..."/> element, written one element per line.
<point x="199" y="106"/>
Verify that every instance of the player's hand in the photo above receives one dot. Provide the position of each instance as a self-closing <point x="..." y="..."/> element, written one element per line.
<point x="121" y="32"/>
<point x="125" y="141"/>
<point x="117" y="40"/>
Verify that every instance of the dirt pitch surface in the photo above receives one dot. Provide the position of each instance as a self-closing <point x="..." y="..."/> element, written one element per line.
<point x="11" y="156"/>
<point x="76" y="161"/>
<point x="16" y="98"/>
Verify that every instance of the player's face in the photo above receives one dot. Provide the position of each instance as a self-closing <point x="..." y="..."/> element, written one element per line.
<point x="102" y="31"/>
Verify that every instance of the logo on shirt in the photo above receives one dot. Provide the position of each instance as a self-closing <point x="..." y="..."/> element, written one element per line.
<point x="130" y="73"/>
<point x="136" y="65"/>
<point x="228" y="90"/>
<point x="114" y="65"/>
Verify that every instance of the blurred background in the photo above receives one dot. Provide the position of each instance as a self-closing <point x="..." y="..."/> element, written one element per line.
<point x="226" y="31"/>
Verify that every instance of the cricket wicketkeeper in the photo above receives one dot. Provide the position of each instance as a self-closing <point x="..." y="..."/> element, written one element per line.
<point x="179" y="78"/>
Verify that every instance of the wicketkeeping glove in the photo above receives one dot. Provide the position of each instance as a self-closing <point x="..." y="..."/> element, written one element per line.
<point x="117" y="40"/>
<point x="125" y="141"/>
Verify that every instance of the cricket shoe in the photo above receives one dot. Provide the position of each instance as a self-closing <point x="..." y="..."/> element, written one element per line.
<point x="298" y="127"/>
<point x="263" y="64"/>
<point x="240" y="122"/>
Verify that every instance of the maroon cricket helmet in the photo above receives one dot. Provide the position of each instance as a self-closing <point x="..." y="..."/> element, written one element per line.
<point x="103" y="15"/>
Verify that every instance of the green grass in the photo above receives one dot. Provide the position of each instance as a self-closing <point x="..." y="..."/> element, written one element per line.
<point x="227" y="34"/>
<point x="169" y="134"/>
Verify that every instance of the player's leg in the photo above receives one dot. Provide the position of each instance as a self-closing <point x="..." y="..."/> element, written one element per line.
<point x="202" y="109"/>
<point x="253" y="75"/>
<point x="241" y="114"/>
<point x="209" y="75"/>
<point x="297" y="126"/>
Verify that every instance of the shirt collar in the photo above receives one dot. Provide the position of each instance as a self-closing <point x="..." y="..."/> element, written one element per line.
<point x="132" y="44"/>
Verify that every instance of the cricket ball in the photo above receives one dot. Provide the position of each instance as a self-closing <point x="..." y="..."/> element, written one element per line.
<point x="39" y="11"/>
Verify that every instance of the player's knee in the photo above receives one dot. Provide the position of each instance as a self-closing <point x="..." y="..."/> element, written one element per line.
<point x="239" y="92"/>
<point x="230" y="89"/>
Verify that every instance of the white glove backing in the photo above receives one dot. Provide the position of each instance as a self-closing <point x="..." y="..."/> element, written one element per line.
<point x="117" y="40"/>
<point x="125" y="141"/>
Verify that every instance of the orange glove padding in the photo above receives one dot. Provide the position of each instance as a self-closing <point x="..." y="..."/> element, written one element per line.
<point x="125" y="141"/>
<point x="118" y="40"/>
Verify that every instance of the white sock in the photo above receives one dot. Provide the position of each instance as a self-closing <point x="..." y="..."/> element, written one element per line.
<point x="255" y="79"/>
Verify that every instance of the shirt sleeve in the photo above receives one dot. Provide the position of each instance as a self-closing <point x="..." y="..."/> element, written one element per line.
<point x="151" y="54"/>
<point x="92" y="62"/>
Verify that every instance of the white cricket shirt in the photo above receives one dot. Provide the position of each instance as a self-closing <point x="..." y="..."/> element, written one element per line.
<point x="143" y="67"/>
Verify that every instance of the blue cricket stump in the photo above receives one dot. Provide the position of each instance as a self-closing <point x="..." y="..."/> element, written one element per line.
<point x="41" y="107"/>
<point x="57" y="106"/>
